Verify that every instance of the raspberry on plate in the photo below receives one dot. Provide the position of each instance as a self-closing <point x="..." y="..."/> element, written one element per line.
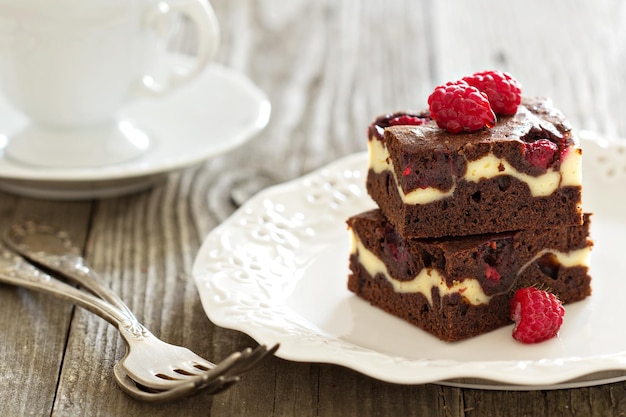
<point x="457" y="106"/>
<point x="537" y="314"/>
<point x="503" y="91"/>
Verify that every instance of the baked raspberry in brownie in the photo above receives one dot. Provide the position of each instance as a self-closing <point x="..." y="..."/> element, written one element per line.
<point x="459" y="287"/>
<point x="522" y="173"/>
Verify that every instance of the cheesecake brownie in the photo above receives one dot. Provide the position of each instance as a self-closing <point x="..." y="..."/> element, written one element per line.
<point x="459" y="287"/>
<point x="525" y="172"/>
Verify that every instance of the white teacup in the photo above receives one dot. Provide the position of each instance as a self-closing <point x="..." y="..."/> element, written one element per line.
<point x="71" y="65"/>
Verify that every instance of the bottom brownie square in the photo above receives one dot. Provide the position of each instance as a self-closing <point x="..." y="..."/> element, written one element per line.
<point x="460" y="287"/>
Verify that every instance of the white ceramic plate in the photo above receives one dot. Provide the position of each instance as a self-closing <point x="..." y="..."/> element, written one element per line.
<point x="214" y="113"/>
<point x="277" y="270"/>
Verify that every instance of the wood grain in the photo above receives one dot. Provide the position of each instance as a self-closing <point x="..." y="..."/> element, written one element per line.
<point x="328" y="68"/>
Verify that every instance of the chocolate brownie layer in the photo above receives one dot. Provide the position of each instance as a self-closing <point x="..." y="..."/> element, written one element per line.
<point x="491" y="205"/>
<point x="457" y="288"/>
<point x="522" y="173"/>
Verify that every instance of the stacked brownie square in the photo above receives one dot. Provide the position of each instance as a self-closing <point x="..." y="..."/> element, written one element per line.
<point x="464" y="220"/>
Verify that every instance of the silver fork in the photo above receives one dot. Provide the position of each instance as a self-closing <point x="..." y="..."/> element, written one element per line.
<point x="52" y="248"/>
<point x="151" y="369"/>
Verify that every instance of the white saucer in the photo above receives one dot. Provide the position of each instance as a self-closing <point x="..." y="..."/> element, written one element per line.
<point x="213" y="114"/>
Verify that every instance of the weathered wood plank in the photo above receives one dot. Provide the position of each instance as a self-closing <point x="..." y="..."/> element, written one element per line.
<point x="607" y="400"/>
<point x="34" y="326"/>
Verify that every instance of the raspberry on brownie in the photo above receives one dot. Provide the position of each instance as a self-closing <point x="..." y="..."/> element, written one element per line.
<point x="459" y="107"/>
<point x="503" y="91"/>
<point x="524" y="172"/>
<point x="460" y="287"/>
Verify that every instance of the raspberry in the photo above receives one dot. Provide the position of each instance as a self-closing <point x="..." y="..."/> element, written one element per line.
<point x="377" y="128"/>
<point x="457" y="106"/>
<point x="537" y="314"/>
<point x="540" y="153"/>
<point x="503" y="91"/>
<point x="407" y="119"/>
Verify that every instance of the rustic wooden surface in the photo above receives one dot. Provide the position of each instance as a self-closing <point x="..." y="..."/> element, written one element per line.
<point x="328" y="67"/>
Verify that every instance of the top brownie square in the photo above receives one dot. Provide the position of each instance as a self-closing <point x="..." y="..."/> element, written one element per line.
<point x="525" y="172"/>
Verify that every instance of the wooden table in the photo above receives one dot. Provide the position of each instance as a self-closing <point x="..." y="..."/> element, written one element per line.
<point x="329" y="67"/>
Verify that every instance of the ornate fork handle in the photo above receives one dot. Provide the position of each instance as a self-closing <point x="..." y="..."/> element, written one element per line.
<point x="75" y="269"/>
<point x="53" y="249"/>
<point x="16" y="271"/>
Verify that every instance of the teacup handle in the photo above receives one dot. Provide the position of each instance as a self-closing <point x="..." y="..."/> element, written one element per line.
<point x="202" y="15"/>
